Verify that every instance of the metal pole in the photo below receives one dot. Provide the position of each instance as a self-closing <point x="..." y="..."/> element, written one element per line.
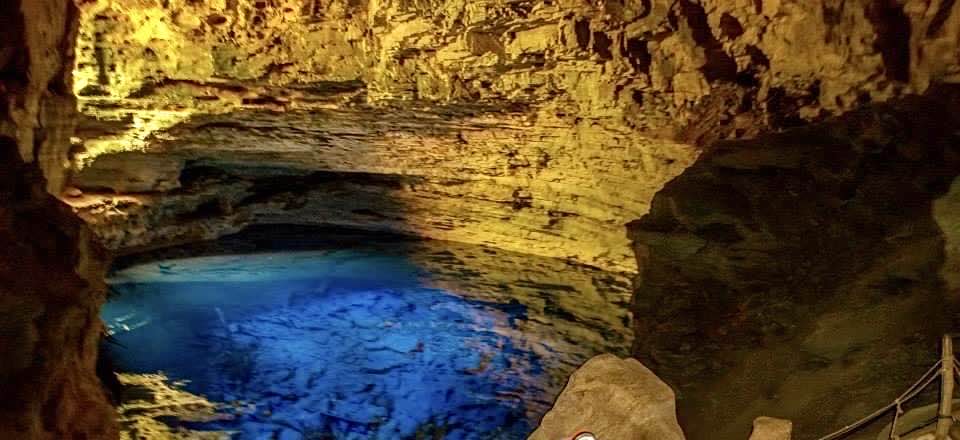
<point x="945" y="414"/>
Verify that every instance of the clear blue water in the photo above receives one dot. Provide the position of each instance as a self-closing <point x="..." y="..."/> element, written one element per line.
<point x="344" y="345"/>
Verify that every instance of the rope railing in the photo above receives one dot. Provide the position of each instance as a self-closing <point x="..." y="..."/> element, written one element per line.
<point x="911" y="392"/>
<point x="935" y="371"/>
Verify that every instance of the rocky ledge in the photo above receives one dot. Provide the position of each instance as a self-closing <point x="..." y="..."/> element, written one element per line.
<point x="541" y="127"/>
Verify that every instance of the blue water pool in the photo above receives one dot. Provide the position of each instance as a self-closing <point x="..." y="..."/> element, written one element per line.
<point x="358" y="344"/>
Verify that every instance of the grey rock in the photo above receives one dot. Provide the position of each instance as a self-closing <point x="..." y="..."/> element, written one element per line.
<point x="614" y="399"/>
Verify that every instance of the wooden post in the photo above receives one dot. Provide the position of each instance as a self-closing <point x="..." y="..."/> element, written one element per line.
<point x="945" y="413"/>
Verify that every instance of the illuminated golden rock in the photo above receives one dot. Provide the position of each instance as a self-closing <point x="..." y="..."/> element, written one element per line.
<point x="536" y="127"/>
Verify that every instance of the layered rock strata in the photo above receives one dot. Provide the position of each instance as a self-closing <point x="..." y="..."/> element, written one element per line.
<point x="468" y="173"/>
<point x="540" y="127"/>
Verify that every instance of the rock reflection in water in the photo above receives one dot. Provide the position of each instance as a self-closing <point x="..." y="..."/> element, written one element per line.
<point x="424" y="340"/>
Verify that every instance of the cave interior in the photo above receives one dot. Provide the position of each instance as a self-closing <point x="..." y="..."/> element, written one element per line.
<point x="477" y="219"/>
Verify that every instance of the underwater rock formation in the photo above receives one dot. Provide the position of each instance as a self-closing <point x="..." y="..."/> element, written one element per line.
<point x="366" y="337"/>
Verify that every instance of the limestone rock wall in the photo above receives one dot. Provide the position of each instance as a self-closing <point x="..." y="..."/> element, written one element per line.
<point x="39" y="107"/>
<point x="51" y="277"/>
<point x="798" y="274"/>
<point x="652" y="63"/>
<point x="458" y="172"/>
<point x="539" y="126"/>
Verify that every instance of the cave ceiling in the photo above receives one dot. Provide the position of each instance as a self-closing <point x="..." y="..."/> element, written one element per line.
<point x="541" y="127"/>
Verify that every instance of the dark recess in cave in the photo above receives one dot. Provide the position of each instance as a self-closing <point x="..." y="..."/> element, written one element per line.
<point x="719" y="65"/>
<point x="756" y="244"/>
<point x="893" y="37"/>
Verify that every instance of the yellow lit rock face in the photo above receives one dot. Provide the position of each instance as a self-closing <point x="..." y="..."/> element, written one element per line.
<point x="149" y="398"/>
<point x="126" y="45"/>
<point x="541" y="127"/>
<point x="453" y="173"/>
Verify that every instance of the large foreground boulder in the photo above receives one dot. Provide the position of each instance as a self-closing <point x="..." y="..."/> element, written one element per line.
<point x="615" y="399"/>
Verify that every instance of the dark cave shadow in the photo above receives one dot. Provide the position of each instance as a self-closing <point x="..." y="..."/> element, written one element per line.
<point x="796" y="274"/>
